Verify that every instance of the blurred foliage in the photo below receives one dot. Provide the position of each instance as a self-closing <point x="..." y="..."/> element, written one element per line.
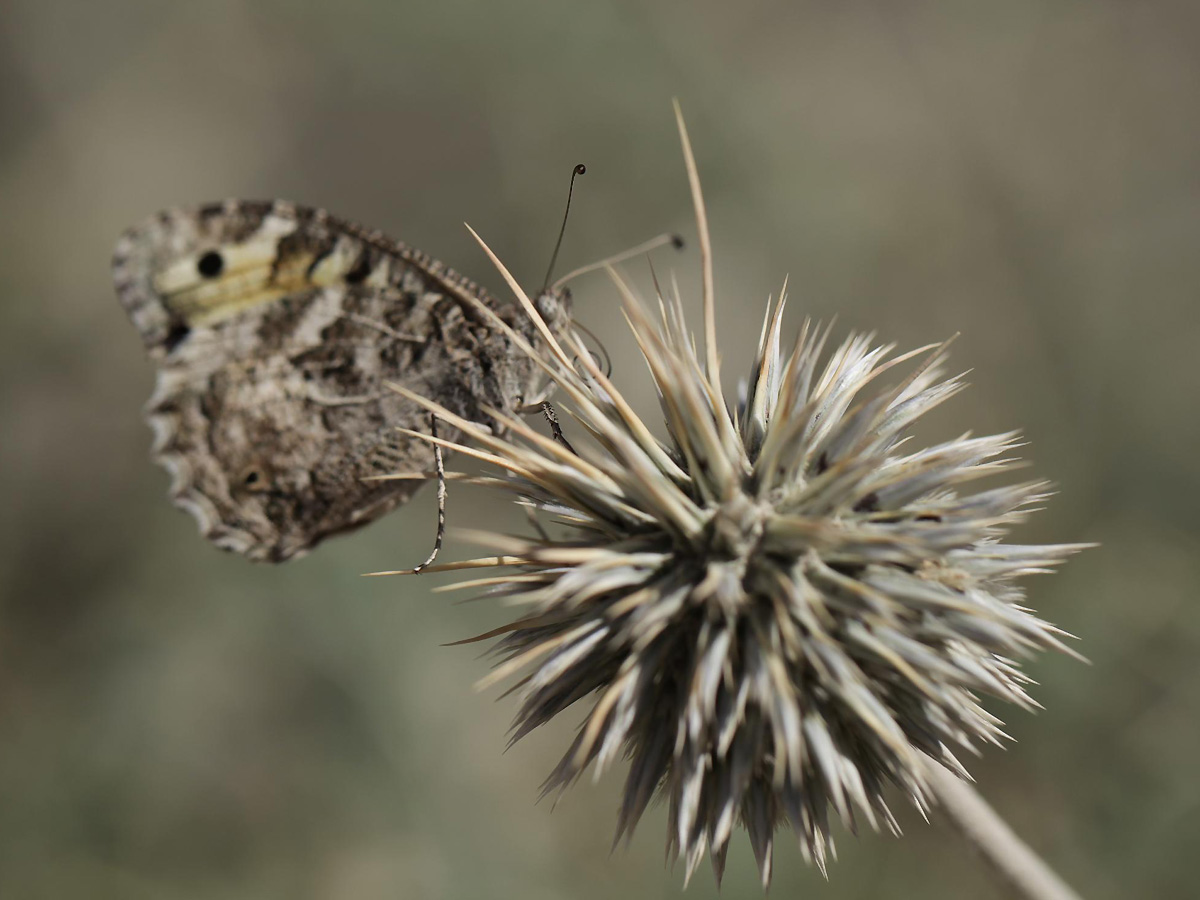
<point x="177" y="723"/>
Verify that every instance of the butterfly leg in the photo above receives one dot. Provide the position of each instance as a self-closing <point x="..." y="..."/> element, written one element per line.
<point x="441" y="499"/>
<point x="535" y="404"/>
<point x="555" y="428"/>
<point x="547" y="410"/>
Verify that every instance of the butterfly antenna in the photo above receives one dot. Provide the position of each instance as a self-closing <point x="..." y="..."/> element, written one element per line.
<point x="578" y="170"/>
<point x="653" y="244"/>
<point x="441" y="501"/>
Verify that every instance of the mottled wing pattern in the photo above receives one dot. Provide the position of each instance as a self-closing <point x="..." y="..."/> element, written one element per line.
<point x="275" y="328"/>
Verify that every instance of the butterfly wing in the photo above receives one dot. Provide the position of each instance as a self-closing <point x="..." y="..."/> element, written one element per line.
<point x="275" y="328"/>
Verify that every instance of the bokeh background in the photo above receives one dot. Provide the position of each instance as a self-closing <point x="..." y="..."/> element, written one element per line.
<point x="178" y="723"/>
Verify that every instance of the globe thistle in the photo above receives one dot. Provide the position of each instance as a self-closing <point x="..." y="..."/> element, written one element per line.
<point x="779" y="608"/>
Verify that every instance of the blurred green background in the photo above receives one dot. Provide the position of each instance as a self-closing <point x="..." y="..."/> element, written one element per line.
<point x="178" y="723"/>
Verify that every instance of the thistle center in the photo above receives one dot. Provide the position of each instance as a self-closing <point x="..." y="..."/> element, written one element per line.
<point x="735" y="529"/>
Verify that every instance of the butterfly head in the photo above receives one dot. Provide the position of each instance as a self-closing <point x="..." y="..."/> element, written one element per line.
<point x="554" y="306"/>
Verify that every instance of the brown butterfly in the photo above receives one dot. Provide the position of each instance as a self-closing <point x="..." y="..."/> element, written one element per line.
<point x="276" y="328"/>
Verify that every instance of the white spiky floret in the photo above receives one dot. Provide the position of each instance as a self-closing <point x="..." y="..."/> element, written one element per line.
<point x="779" y="609"/>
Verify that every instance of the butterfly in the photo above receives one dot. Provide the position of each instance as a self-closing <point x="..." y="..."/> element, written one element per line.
<point x="276" y="329"/>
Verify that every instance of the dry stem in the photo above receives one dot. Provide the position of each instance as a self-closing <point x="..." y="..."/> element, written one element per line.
<point x="1020" y="869"/>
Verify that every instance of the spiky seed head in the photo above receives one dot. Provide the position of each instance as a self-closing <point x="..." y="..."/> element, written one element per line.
<point x="779" y="608"/>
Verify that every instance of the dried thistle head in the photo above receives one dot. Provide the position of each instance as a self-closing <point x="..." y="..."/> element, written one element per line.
<point x="780" y="609"/>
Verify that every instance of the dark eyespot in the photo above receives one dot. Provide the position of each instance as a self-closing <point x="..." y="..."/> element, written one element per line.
<point x="210" y="264"/>
<point x="254" y="478"/>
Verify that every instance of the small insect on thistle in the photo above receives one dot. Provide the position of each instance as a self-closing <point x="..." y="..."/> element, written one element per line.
<point x="779" y="609"/>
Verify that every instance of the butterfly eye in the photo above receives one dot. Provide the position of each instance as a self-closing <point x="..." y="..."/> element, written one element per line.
<point x="210" y="264"/>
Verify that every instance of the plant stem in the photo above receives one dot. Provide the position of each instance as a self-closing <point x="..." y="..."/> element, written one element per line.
<point x="1022" y="870"/>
